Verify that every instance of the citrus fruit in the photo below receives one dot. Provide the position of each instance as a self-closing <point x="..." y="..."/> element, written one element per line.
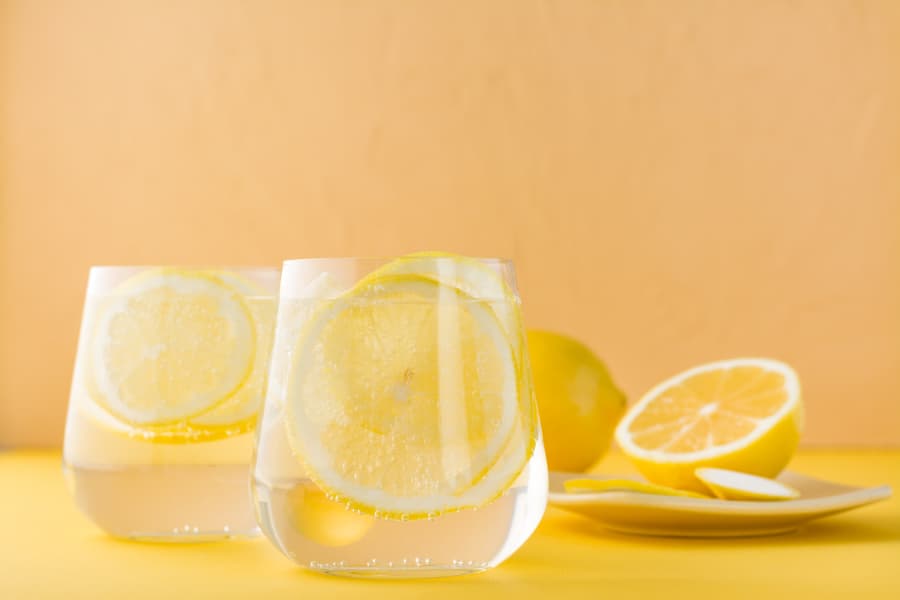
<point x="742" y="414"/>
<point x="403" y="397"/>
<point x="578" y="402"/>
<point x="238" y="413"/>
<point x="733" y="485"/>
<point x="169" y="345"/>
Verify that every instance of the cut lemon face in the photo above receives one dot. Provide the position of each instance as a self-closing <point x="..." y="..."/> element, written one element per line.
<point x="741" y="414"/>
<point x="170" y="345"/>
<point x="403" y="397"/>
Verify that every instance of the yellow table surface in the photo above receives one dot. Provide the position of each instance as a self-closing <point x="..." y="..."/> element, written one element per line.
<point x="48" y="550"/>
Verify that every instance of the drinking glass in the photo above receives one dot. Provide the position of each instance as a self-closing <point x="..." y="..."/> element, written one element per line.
<point x="169" y="378"/>
<point x="399" y="436"/>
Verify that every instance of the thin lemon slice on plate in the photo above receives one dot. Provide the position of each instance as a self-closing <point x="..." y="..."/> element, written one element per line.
<point x="742" y="414"/>
<point x="733" y="485"/>
<point x="593" y="485"/>
<point x="403" y="397"/>
<point x="170" y="345"/>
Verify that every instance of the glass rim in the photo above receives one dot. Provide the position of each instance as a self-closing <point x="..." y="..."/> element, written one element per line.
<point x="191" y="267"/>
<point x="488" y="260"/>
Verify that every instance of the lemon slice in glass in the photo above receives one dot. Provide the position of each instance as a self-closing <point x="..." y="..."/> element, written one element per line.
<point x="239" y="412"/>
<point x="403" y="396"/>
<point x="169" y="345"/>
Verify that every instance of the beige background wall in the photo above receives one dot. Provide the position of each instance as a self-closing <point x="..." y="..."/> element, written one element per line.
<point x="677" y="181"/>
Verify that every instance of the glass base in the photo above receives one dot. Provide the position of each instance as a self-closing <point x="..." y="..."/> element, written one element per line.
<point x="166" y="503"/>
<point x="398" y="572"/>
<point x="189" y="536"/>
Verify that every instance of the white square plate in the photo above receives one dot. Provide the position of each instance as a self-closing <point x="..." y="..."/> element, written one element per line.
<point x="651" y="514"/>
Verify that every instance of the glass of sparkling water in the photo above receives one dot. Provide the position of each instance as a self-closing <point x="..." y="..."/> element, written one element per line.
<point x="399" y="436"/>
<point x="168" y="382"/>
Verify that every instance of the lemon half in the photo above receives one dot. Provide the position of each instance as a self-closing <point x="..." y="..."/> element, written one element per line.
<point x="742" y="414"/>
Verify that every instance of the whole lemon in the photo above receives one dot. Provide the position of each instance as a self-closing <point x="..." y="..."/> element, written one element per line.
<point x="578" y="402"/>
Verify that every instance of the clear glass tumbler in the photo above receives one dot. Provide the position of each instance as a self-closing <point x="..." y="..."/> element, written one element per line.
<point x="169" y="378"/>
<point x="400" y="436"/>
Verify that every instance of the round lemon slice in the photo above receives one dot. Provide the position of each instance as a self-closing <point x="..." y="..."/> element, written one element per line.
<point x="402" y="397"/>
<point x="238" y="413"/>
<point x="742" y="414"/>
<point x="169" y="345"/>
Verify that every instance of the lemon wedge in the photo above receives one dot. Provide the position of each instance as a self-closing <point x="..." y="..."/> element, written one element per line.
<point x="742" y="414"/>
<point x="403" y="398"/>
<point x="170" y="345"/>
<point x="588" y="485"/>
<point x="733" y="485"/>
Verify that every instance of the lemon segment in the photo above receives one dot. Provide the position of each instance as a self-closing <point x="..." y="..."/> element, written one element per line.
<point x="169" y="345"/>
<point x="733" y="485"/>
<point x="741" y="414"/>
<point x="402" y="398"/>
<point x="587" y="485"/>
